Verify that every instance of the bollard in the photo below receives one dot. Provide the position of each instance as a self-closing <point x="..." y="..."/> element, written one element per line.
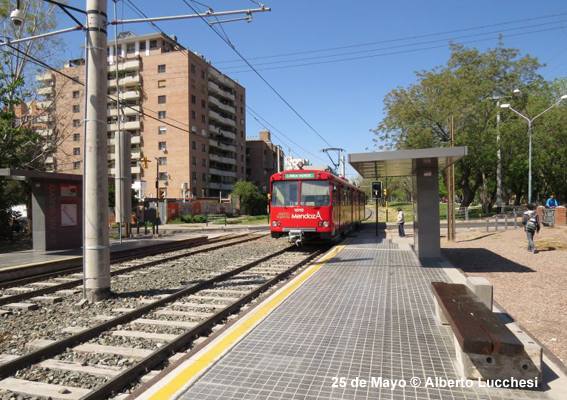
<point x="145" y="227"/>
<point x="505" y="222"/>
<point x="487" y="221"/>
<point x="466" y="214"/>
<point x="515" y="219"/>
<point x="137" y="228"/>
<point x="495" y="223"/>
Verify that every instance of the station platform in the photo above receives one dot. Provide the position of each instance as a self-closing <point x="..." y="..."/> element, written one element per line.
<point x="364" y="311"/>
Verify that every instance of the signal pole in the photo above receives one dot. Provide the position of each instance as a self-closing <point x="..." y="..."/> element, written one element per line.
<point x="96" y="241"/>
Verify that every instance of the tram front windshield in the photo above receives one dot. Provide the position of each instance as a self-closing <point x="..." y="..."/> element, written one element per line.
<point x="285" y="193"/>
<point x="315" y="193"/>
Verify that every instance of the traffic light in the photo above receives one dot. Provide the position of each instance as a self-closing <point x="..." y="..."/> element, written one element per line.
<point x="144" y="161"/>
<point x="161" y="194"/>
<point x="377" y="189"/>
<point x="385" y="192"/>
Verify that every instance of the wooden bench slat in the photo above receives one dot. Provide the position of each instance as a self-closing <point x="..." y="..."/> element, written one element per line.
<point x="476" y="328"/>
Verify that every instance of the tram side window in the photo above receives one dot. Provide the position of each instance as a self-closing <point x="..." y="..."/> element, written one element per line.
<point x="315" y="193"/>
<point x="285" y="193"/>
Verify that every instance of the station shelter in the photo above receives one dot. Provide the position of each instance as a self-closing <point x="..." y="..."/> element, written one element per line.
<point x="423" y="165"/>
<point x="57" y="208"/>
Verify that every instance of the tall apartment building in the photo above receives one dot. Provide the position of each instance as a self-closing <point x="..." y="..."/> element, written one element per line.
<point x="263" y="159"/>
<point x="181" y="113"/>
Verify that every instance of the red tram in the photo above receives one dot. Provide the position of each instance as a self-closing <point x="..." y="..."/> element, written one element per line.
<point x="311" y="205"/>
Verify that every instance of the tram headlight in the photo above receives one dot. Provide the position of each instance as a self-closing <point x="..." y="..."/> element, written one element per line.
<point x="274" y="223"/>
<point x="326" y="224"/>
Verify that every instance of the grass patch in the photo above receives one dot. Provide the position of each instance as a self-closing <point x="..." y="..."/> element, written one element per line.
<point x="249" y="220"/>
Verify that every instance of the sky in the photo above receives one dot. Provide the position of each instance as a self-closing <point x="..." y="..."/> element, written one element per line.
<point x="325" y="66"/>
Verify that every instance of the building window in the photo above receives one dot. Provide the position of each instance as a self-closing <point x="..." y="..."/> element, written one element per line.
<point x="161" y="69"/>
<point x="203" y="74"/>
<point x="242" y="170"/>
<point x="153" y="44"/>
<point x="76" y="108"/>
<point x="203" y="133"/>
<point x="204" y="147"/>
<point x="195" y="189"/>
<point x="203" y="119"/>
<point x="194" y="176"/>
<point x="76" y="94"/>
<point x="162" y="130"/>
<point x="204" y="177"/>
<point x="241" y="122"/>
<point x="76" y="80"/>
<point x="194" y="160"/>
<point x="194" y="145"/>
<point x="161" y="114"/>
<point x="193" y="99"/>
<point x="162" y="146"/>
<point x="203" y="104"/>
<point x="76" y="151"/>
<point x="242" y="134"/>
<point x="204" y="162"/>
<point x="163" y="176"/>
<point x="193" y="69"/>
<point x="76" y="123"/>
<point x="76" y="137"/>
<point x="130" y="48"/>
<point x="193" y="129"/>
<point x="77" y="165"/>
<point x="162" y="160"/>
<point x="161" y="83"/>
<point x="193" y="115"/>
<point x="161" y="99"/>
<point x="143" y="45"/>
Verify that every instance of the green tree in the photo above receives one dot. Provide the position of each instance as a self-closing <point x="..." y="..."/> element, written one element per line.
<point x="418" y="116"/>
<point x="252" y="200"/>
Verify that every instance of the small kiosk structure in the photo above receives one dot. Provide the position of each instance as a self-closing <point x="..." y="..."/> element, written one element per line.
<point x="423" y="165"/>
<point x="57" y="208"/>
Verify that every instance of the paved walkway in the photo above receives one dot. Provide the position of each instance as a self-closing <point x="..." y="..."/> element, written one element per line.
<point x="367" y="313"/>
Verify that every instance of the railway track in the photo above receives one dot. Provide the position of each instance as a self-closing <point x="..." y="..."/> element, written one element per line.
<point x="142" y="337"/>
<point x="21" y="290"/>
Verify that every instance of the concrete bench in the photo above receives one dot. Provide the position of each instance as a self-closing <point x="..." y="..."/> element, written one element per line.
<point x="485" y="347"/>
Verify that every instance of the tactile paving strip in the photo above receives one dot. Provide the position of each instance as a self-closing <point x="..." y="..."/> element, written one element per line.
<point x="368" y="313"/>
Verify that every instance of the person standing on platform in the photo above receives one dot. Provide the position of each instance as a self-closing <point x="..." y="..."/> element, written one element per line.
<point x="530" y="221"/>
<point x="401" y="222"/>
<point x="551" y="202"/>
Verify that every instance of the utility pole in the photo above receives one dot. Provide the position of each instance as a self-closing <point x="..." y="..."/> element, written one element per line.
<point x="451" y="226"/>
<point x="96" y="241"/>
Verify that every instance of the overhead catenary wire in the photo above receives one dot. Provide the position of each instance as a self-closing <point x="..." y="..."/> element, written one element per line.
<point x="262" y="78"/>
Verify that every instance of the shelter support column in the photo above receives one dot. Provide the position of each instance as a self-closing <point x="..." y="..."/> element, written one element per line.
<point x="427" y="242"/>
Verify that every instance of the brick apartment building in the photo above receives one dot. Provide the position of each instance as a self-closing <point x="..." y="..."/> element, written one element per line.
<point x="180" y="112"/>
<point x="262" y="160"/>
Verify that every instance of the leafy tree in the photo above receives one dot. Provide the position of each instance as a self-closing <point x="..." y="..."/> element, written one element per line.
<point x="418" y="116"/>
<point x="252" y="200"/>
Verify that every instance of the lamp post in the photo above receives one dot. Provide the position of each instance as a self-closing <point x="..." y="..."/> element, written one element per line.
<point x="530" y="126"/>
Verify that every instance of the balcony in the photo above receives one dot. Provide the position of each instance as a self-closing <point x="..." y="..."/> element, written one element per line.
<point x="47" y="77"/>
<point x="215" y="171"/>
<point x="221" y="186"/>
<point x="45" y="132"/>
<point x="135" y="170"/>
<point x="227" y="134"/>
<point x="221" y="78"/>
<point x="43" y="105"/>
<point x="135" y="139"/>
<point x="47" y="90"/>
<point x="127" y="110"/>
<point x="130" y="65"/>
<point x="127" y="126"/>
<point x="125" y="81"/>
<point x="224" y="160"/>
<point x="44" y="118"/>
<point x="136" y="154"/>
<point x="216" y="143"/>
<point x="216" y="116"/>
<point x="213" y="87"/>
<point x="228" y="108"/>
<point x="128" y="95"/>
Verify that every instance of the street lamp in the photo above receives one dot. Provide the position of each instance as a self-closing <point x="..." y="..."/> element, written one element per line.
<point x="530" y="125"/>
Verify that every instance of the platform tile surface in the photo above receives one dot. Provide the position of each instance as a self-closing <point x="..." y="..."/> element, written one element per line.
<point x="368" y="313"/>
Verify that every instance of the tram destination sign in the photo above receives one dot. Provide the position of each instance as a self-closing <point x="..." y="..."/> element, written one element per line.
<point x="307" y="175"/>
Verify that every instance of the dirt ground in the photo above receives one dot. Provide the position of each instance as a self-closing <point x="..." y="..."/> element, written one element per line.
<point x="531" y="287"/>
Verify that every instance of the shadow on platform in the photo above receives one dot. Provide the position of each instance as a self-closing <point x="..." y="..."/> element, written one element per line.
<point x="482" y="260"/>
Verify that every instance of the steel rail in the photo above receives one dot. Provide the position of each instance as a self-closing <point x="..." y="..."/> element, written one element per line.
<point x="73" y="340"/>
<point x="77" y="282"/>
<point x="126" y="377"/>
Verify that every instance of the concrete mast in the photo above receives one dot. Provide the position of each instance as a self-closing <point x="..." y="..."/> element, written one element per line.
<point x="96" y="237"/>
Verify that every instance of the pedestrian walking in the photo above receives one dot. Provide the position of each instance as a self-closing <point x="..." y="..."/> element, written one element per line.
<point x="401" y="222"/>
<point x="531" y="224"/>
